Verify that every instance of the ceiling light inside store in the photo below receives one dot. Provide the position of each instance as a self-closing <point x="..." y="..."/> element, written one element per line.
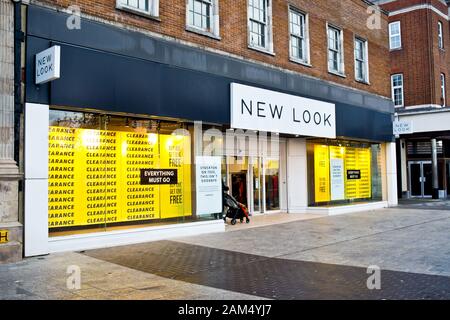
<point x="152" y="138"/>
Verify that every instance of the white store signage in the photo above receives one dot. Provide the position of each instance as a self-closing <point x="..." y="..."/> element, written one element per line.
<point x="403" y="127"/>
<point x="48" y="64"/>
<point x="270" y="111"/>
<point x="208" y="185"/>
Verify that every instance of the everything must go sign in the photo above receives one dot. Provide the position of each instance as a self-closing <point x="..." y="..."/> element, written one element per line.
<point x="270" y="111"/>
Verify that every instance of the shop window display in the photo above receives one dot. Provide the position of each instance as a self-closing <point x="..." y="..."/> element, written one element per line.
<point x="342" y="172"/>
<point x="96" y="163"/>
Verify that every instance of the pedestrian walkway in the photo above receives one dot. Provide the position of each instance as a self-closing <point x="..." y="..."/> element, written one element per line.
<point x="427" y="204"/>
<point x="262" y="220"/>
<point x="320" y="258"/>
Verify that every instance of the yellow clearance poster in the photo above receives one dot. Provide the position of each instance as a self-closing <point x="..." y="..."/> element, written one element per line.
<point x="358" y="159"/>
<point x="138" y="151"/>
<point x="64" y="188"/>
<point x="94" y="177"/>
<point x="98" y="154"/>
<point x="365" y="183"/>
<point x="176" y="199"/>
<point x="321" y="173"/>
<point x="351" y="163"/>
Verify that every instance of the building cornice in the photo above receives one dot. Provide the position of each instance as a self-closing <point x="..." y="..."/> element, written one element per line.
<point x="419" y="7"/>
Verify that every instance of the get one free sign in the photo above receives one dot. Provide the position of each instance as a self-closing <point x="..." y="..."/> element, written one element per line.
<point x="48" y="63"/>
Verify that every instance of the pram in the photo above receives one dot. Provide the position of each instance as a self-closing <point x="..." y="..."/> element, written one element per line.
<point x="235" y="210"/>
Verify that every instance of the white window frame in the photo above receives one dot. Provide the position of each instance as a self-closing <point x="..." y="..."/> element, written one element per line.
<point x="340" y="50"/>
<point x="268" y="32"/>
<point x="398" y="87"/>
<point x="214" y="24"/>
<point x="443" y="90"/>
<point x="391" y="35"/>
<point x="365" y="59"/>
<point x="440" y="35"/>
<point x="305" y="39"/>
<point x="152" y="12"/>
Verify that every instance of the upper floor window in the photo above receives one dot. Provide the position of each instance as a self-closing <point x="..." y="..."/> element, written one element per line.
<point x="361" y="60"/>
<point x="397" y="90"/>
<point x="440" y="35"/>
<point x="203" y="15"/>
<point x="443" y="91"/>
<point x="145" y="7"/>
<point x="335" y="50"/>
<point x="299" y="38"/>
<point x="395" y="35"/>
<point x="260" y="24"/>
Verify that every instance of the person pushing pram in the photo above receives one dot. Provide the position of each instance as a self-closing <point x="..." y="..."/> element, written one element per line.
<point x="233" y="209"/>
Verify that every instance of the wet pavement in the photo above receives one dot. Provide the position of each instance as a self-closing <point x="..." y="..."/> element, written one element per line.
<point x="320" y="258"/>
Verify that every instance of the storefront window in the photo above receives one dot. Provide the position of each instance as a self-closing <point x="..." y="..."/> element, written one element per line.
<point x="108" y="172"/>
<point x="343" y="172"/>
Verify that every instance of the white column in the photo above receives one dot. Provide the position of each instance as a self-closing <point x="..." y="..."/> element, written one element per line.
<point x="36" y="179"/>
<point x="297" y="180"/>
<point x="391" y="174"/>
<point x="404" y="165"/>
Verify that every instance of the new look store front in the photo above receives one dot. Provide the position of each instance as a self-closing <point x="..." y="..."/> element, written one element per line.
<point x="133" y="144"/>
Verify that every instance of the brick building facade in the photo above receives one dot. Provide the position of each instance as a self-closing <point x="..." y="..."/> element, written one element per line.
<point x="350" y="15"/>
<point x="423" y="63"/>
<point x="148" y="66"/>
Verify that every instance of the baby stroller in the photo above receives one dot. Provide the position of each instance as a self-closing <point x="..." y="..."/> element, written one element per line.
<point x="235" y="210"/>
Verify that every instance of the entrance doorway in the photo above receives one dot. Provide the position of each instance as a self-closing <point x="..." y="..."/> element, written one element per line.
<point x="420" y="179"/>
<point x="254" y="181"/>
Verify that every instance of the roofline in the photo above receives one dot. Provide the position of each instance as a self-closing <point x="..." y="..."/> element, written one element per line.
<point x="370" y="3"/>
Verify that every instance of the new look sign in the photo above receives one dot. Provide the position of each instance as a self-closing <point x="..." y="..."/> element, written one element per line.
<point x="48" y="65"/>
<point x="270" y="111"/>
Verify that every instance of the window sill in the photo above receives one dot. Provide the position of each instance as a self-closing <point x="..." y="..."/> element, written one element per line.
<point x="396" y="49"/>
<point x="203" y="33"/>
<point x="363" y="82"/>
<point x="301" y="62"/>
<point x="138" y="12"/>
<point x="339" y="74"/>
<point x="262" y="50"/>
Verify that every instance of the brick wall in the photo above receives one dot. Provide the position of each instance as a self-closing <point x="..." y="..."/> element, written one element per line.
<point x="351" y="15"/>
<point x="420" y="59"/>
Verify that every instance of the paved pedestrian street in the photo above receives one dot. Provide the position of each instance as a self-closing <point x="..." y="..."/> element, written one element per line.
<point x="314" y="258"/>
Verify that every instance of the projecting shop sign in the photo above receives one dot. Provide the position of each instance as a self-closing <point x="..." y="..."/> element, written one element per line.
<point x="48" y="65"/>
<point x="270" y="111"/>
<point x="403" y="127"/>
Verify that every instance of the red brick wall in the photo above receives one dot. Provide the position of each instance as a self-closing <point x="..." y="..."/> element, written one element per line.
<point x="351" y="15"/>
<point x="420" y="59"/>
